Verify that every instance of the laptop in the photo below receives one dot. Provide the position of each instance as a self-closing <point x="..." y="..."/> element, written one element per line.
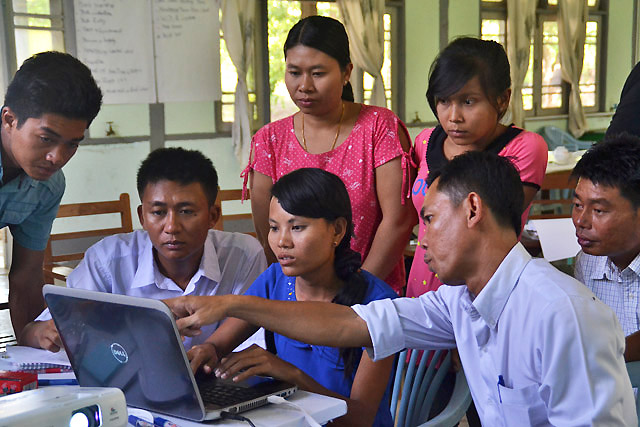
<point x="133" y="344"/>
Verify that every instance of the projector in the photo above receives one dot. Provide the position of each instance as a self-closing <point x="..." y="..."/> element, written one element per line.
<point x="68" y="406"/>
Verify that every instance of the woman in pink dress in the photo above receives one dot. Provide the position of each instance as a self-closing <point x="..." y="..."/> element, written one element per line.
<point x="366" y="146"/>
<point x="469" y="92"/>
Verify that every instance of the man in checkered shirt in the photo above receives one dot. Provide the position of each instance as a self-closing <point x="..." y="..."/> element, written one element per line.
<point x="606" y="213"/>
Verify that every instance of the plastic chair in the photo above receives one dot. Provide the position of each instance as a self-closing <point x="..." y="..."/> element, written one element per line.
<point x="415" y="387"/>
<point x="633" y="369"/>
<point x="556" y="138"/>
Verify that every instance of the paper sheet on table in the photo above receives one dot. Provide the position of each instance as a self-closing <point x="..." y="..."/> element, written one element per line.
<point x="22" y="356"/>
<point x="557" y="238"/>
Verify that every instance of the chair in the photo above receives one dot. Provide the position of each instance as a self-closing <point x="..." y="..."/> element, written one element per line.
<point x="242" y="223"/>
<point x="551" y="202"/>
<point x="416" y="384"/>
<point x="633" y="369"/>
<point x="65" y="250"/>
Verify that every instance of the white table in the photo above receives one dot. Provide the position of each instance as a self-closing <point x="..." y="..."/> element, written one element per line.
<point x="321" y="408"/>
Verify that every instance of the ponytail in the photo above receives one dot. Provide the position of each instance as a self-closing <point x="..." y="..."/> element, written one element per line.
<point x="347" y="264"/>
<point x="347" y="92"/>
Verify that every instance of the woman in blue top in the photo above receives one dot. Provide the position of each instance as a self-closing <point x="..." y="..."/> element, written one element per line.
<point x="310" y="232"/>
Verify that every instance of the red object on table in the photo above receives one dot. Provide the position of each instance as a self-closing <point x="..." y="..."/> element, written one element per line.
<point x="17" y="381"/>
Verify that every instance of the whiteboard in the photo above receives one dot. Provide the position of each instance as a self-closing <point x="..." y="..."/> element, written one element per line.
<point x="147" y="51"/>
<point x="187" y="48"/>
<point x="114" y="39"/>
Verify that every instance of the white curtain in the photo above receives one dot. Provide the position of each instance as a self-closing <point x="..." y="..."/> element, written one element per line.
<point x="363" y="20"/>
<point x="572" y="29"/>
<point x="521" y="21"/>
<point x="238" y="23"/>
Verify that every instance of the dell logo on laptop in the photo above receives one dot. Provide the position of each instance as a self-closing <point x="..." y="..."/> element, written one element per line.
<point x="119" y="353"/>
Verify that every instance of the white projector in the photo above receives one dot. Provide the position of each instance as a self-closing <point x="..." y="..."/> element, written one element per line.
<point x="68" y="406"/>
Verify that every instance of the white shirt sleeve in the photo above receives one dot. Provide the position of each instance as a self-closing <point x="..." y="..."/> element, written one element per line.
<point x="254" y="266"/>
<point x="394" y="325"/>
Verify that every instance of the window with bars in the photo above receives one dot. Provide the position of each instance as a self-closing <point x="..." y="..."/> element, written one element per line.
<point x="544" y="92"/>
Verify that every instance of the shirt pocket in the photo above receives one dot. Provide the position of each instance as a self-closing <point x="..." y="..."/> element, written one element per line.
<point x="523" y="406"/>
<point x="10" y="216"/>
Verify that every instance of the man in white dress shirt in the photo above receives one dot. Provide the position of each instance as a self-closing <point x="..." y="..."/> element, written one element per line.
<point x="606" y="214"/>
<point x="536" y="345"/>
<point x="176" y="254"/>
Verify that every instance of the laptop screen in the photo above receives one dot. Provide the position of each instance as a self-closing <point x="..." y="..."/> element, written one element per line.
<point x="129" y="347"/>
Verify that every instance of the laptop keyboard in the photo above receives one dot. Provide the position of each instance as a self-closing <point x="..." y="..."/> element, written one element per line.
<point x="225" y="394"/>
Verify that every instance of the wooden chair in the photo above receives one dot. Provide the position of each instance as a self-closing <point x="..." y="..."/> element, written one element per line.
<point x="242" y="223"/>
<point x="555" y="197"/>
<point x="65" y="250"/>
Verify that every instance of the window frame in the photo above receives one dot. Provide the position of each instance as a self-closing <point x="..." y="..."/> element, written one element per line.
<point x="9" y="27"/>
<point x="261" y="105"/>
<point x="546" y="12"/>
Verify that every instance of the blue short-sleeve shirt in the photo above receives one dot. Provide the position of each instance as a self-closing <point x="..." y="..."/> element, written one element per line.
<point x="28" y="207"/>
<point x="323" y="364"/>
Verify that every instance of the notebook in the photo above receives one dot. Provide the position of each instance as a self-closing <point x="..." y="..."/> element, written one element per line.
<point x="133" y="344"/>
<point x="34" y="359"/>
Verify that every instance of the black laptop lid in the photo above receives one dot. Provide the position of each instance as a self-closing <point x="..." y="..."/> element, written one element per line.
<point x="135" y="348"/>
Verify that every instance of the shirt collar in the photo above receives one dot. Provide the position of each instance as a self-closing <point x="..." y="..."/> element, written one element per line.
<point x="491" y="301"/>
<point x="606" y="269"/>
<point x="148" y="273"/>
<point x="600" y="267"/>
<point x="18" y="181"/>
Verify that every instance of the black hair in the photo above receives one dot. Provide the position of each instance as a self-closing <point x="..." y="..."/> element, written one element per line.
<point x="55" y="83"/>
<point x="179" y="165"/>
<point x="614" y="162"/>
<point x="326" y="35"/>
<point x="463" y="59"/>
<point x="316" y="193"/>
<point x="494" y="178"/>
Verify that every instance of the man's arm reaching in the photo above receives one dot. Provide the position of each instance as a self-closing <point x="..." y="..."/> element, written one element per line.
<point x="316" y="323"/>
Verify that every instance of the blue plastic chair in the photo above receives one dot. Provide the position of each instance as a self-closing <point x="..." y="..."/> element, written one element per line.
<point x="415" y="387"/>
<point x="556" y="138"/>
<point x="633" y="369"/>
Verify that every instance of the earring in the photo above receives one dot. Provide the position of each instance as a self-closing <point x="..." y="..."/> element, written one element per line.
<point x="335" y="243"/>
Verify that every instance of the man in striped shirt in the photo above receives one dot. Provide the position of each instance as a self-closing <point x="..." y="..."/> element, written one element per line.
<point x="606" y="214"/>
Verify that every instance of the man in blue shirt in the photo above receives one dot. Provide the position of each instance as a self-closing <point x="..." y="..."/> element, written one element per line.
<point x="48" y="105"/>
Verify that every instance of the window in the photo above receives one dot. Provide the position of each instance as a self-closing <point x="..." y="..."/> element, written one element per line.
<point x="281" y="15"/>
<point x="225" y="109"/>
<point x="544" y="92"/>
<point x="38" y="25"/>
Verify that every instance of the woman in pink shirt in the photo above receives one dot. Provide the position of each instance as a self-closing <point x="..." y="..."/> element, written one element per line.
<point x="366" y="146"/>
<point x="469" y="92"/>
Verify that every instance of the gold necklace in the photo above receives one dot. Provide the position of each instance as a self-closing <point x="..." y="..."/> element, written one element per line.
<point x="304" y="141"/>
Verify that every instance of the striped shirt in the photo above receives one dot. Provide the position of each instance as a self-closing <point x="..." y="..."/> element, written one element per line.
<point x="618" y="289"/>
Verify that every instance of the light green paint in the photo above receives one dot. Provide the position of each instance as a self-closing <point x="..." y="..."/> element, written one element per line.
<point x="619" y="51"/>
<point x="127" y="120"/>
<point x="189" y="117"/>
<point x="464" y="18"/>
<point x="422" y="45"/>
